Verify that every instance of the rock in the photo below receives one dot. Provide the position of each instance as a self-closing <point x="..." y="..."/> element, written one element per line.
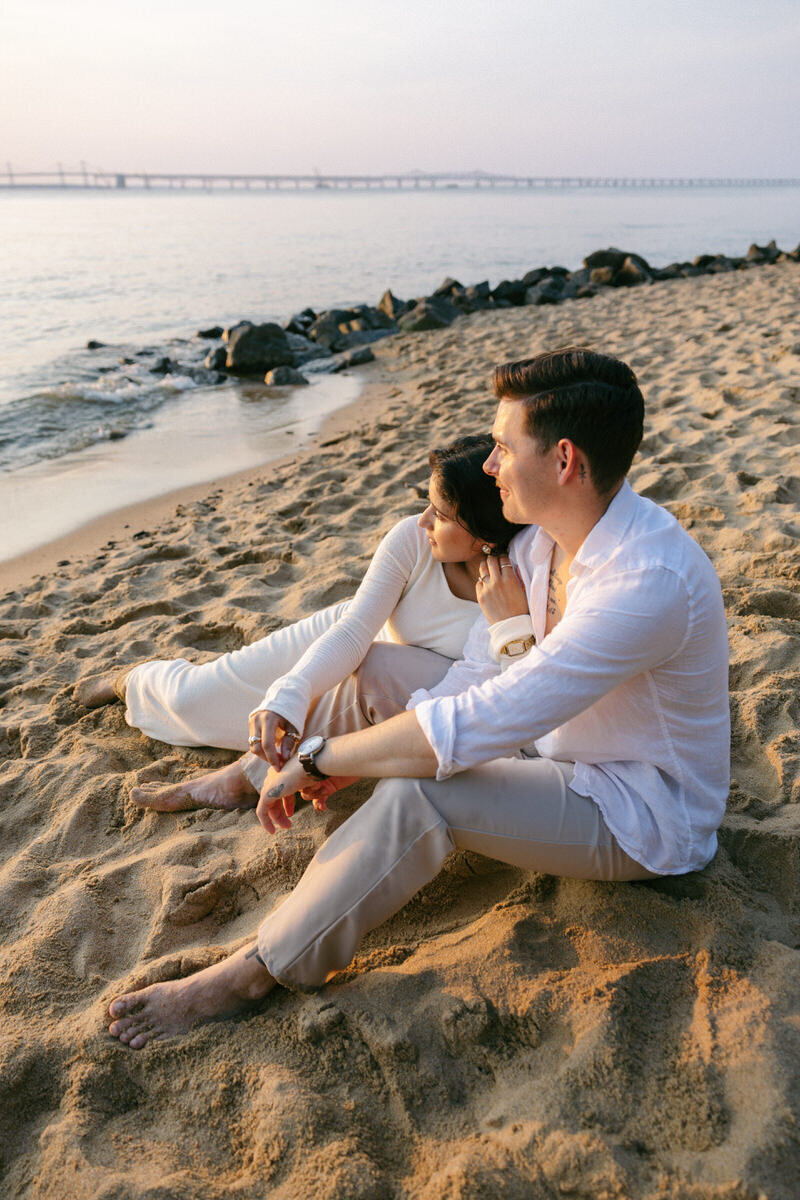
<point x="763" y="254"/>
<point x="304" y="350"/>
<point x="549" y="291"/>
<point x="373" y="318"/>
<point x="448" y="287"/>
<point x="606" y="258"/>
<point x="228" y="333"/>
<point x="216" y="331"/>
<point x="633" y="272"/>
<point x="688" y="272"/>
<point x="253" y="349"/>
<point x="429" y="312"/>
<point x="301" y="322"/>
<point x="580" y="278"/>
<point x="531" y="278"/>
<point x="601" y="276"/>
<point x="673" y="271"/>
<point x="586" y="292"/>
<point x="703" y="260"/>
<point x="721" y="265"/>
<point x="285" y="377"/>
<point x="476" y="297"/>
<point x="391" y="306"/>
<point x="353" y="358"/>
<point x="510" y="291"/>
<point x="93" y="345"/>
<point x="163" y="367"/>
<point x="215" y="360"/>
<point x="326" y="328"/>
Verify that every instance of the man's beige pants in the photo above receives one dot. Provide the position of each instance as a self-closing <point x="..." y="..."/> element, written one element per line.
<point x="518" y="810"/>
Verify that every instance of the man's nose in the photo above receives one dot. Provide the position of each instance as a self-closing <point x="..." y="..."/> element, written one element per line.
<point x="490" y="466"/>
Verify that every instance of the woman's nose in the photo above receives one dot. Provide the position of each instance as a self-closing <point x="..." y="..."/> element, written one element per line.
<point x="425" y="519"/>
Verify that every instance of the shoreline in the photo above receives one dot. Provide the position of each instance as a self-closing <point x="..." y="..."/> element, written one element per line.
<point x="125" y="521"/>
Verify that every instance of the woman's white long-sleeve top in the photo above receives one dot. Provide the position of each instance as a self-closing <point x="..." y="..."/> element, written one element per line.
<point x="404" y="597"/>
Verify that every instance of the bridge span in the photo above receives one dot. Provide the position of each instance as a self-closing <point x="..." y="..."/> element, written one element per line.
<point x="94" y="180"/>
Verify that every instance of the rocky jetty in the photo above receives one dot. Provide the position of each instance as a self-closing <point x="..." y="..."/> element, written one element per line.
<point x="338" y="339"/>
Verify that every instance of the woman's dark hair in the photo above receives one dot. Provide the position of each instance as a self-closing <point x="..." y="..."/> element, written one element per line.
<point x="459" y="474"/>
<point x="592" y="399"/>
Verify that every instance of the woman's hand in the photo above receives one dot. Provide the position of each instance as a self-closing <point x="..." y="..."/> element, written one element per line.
<point x="277" y="737"/>
<point x="318" y="791"/>
<point x="499" y="590"/>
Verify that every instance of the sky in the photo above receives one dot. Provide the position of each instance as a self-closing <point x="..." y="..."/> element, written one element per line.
<point x="542" y="87"/>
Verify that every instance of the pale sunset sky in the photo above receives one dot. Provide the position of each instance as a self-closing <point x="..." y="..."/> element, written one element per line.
<point x="546" y="87"/>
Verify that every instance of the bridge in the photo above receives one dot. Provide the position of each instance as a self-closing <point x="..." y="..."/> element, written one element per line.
<point x="94" y="180"/>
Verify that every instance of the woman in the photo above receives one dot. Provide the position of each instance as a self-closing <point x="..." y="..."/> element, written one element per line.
<point x="419" y="590"/>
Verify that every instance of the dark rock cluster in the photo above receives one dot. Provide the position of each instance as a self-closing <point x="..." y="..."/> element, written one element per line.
<point x="339" y="338"/>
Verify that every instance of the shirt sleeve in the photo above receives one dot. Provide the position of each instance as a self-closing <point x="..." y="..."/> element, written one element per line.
<point x="341" y="649"/>
<point x="474" y="667"/>
<point x="619" y="628"/>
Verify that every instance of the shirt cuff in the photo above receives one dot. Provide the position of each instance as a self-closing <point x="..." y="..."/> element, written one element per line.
<point x="436" y="718"/>
<point x="509" y="630"/>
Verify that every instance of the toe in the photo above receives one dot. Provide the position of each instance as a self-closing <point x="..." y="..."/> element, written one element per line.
<point x="123" y="1005"/>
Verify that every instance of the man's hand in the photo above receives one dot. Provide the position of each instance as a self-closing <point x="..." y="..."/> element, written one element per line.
<point x="499" y="591"/>
<point x="276" y="802"/>
<point x="277" y="737"/>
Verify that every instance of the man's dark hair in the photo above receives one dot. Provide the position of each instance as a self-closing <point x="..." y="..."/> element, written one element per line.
<point x="592" y="399"/>
<point x="458" y="471"/>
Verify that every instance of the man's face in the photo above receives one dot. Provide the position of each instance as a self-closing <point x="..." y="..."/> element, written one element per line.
<point x="524" y="474"/>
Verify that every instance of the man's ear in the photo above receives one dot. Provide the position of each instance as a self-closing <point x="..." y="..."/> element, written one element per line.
<point x="566" y="460"/>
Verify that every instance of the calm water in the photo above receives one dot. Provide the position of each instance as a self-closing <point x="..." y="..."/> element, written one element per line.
<point x="142" y="272"/>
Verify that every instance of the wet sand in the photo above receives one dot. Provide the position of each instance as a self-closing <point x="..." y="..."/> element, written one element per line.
<point x="505" y="1034"/>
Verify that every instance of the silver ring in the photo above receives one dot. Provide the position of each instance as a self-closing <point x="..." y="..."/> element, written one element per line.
<point x="254" y="741"/>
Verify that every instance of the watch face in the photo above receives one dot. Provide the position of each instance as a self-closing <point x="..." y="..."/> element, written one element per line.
<point x="311" y="745"/>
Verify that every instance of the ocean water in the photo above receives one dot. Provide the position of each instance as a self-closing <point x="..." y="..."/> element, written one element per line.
<point x="142" y="272"/>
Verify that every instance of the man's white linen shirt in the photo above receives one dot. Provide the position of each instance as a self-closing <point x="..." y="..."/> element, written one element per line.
<point x="631" y="685"/>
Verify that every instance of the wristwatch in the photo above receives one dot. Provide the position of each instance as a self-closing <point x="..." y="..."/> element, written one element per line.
<point x="307" y="753"/>
<point x="518" y="646"/>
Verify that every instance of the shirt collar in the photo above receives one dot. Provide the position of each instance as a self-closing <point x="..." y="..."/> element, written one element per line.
<point x="604" y="537"/>
<point x="601" y="541"/>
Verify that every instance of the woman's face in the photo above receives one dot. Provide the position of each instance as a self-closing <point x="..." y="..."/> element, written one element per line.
<point x="449" y="541"/>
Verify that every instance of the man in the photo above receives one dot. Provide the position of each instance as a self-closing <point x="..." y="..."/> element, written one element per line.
<point x="599" y="752"/>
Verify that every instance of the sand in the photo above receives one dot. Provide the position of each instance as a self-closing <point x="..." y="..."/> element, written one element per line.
<point x="506" y="1034"/>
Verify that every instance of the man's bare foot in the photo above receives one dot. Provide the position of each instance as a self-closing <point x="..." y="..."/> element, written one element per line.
<point x="228" y="789"/>
<point x="96" y="690"/>
<point x="163" y="1009"/>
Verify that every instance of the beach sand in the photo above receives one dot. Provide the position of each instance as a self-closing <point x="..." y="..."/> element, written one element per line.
<point x="506" y="1034"/>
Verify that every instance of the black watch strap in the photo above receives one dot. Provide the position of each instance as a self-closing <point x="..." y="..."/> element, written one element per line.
<point x="308" y="758"/>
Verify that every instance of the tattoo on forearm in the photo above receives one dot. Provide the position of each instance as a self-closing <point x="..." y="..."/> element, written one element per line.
<point x="274" y="793"/>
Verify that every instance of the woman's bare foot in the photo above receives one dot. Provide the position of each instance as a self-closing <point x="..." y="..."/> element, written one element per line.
<point x="228" y="789"/>
<point x="96" y="690"/>
<point x="163" y="1009"/>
